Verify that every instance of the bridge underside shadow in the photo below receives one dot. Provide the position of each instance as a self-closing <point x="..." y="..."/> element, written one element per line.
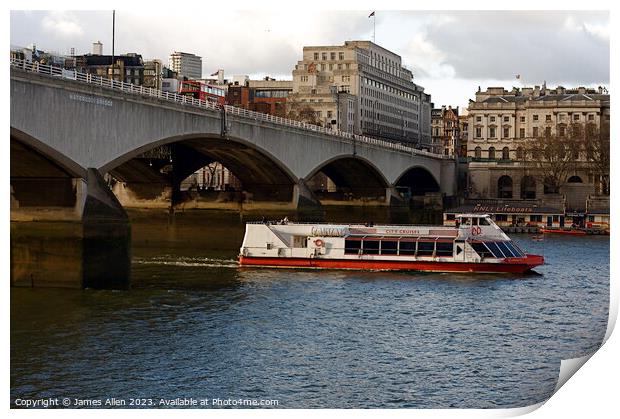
<point x="351" y="181"/>
<point x="66" y="230"/>
<point x="420" y="188"/>
<point x="158" y="178"/>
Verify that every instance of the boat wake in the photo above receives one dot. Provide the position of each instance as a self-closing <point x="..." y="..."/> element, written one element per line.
<point x="188" y="262"/>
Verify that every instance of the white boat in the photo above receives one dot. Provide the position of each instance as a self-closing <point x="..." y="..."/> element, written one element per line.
<point x="475" y="244"/>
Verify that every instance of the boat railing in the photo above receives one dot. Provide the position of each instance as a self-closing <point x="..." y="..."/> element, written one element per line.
<point x="335" y="224"/>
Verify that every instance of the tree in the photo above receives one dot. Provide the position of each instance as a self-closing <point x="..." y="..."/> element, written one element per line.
<point x="303" y="113"/>
<point x="554" y="156"/>
<point x="597" y="152"/>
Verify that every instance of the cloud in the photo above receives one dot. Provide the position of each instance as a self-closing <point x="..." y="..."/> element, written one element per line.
<point x="442" y="48"/>
<point x="61" y="23"/>
<point x="539" y="45"/>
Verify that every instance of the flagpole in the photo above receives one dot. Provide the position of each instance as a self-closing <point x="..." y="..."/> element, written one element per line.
<point x="374" y="27"/>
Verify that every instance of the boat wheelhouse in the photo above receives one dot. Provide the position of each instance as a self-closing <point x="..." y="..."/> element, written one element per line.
<point x="474" y="244"/>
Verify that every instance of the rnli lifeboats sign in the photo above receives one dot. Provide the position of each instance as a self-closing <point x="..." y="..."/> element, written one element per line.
<point x="501" y="209"/>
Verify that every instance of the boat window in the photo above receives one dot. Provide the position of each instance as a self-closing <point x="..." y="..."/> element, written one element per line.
<point x="495" y="250"/>
<point x="407" y="248"/>
<point x="505" y="249"/>
<point x="352" y="247"/>
<point x="300" y="241"/>
<point x="371" y="247"/>
<point x="484" y="222"/>
<point x="444" y="249"/>
<point x="515" y="251"/>
<point x="466" y="221"/>
<point x="389" y="247"/>
<point x="426" y="248"/>
<point x="481" y="249"/>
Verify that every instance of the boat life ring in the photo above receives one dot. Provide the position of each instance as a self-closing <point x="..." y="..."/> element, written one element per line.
<point x="319" y="243"/>
<point x="476" y="230"/>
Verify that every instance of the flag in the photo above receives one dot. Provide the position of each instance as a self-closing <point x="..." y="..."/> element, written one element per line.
<point x="372" y="14"/>
<point x="518" y="76"/>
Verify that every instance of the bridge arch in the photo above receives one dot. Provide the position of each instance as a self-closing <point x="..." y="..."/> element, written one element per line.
<point x="347" y="177"/>
<point x="419" y="180"/>
<point x="361" y="166"/>
<point x="41" y="176"/>
<point x="259" y="172"/>
<point x="47" y="157"/>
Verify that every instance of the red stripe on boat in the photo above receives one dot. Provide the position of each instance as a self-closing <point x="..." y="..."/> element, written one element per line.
<point x="510" y="265"/>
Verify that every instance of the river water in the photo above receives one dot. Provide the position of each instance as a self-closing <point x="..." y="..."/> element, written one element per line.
<point x="194" y="325"/>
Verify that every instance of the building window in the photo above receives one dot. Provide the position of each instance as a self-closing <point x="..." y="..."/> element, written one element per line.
<point x="316" y="56"/>
<point x="562" y="130"/>
<point x="346" y="78"/>
<point x="547" y="132"/>
<point x="576" y="117"/>
<point x="491" y="132"/>
<point x="478" y="152"/>
<point x="535" y="132"/>
<point x="506" y="118"/>
<point x="322" y="67"/>
<point x="505" y="153"/>
<point x="522" y="119"/>
<point x="521" y="132"/>
<point x="492" y="119"/>
<point x="341" y="55"/>
<point x="535" y="117"/>
<point x="590" y="117"/>
<point x="304" y="79"/>
<point x="478" y="119"/>
<point x="478" y="132"/>
<point x="347" y="66"/>
<point x="491" y="152"/>
<point x="506" y="132"/>
<point x="548" y="118"/>
<point x="324" y="56"/>
<point x="332" y="56"/>
<point x="504" y="187"/>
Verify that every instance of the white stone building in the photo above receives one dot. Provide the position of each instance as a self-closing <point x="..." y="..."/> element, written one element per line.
<point x="363" y="88"/>
<point x="500" y="124"/>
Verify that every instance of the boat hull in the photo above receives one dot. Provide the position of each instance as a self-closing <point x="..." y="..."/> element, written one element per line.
<point x="515" y="265"/>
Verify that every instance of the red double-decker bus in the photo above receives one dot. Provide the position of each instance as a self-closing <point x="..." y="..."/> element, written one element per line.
<point x="200" y="90"/>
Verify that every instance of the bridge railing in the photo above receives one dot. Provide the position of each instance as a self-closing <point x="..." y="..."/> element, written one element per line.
<point x="55" y="71"/>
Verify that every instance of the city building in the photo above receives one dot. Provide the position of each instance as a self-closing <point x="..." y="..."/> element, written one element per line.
<point x="185" y="64"/>
<point x="463" y="133"/>
<point x="267" y="96"/>
<point x="153" y="74"/>
<point x="362" y="88"/>
<point x="33" y="55"/>
<point x="503" y="125"/>
<point x="445" y="130"/>
<point x="128" y="68"/>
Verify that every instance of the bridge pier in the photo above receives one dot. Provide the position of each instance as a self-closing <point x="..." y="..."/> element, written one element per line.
<point x="85" y="245"/>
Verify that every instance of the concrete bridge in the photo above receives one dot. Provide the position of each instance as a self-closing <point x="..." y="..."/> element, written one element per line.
<point x="69" y="129"/>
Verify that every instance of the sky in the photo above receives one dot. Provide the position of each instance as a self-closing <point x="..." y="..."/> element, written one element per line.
<point x="451" y="53"/>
